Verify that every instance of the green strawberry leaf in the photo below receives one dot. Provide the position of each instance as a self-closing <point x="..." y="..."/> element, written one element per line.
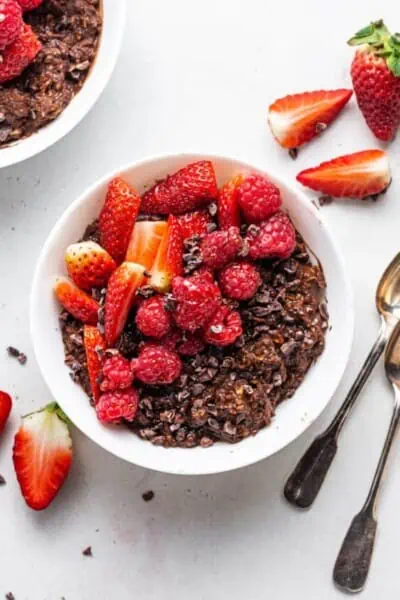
<point x="374" y="33"/>
<point x="393" y="62"/>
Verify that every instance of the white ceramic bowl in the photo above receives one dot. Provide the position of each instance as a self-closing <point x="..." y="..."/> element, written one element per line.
<point x="292" y="417"/>
<point x="114" y="17"/>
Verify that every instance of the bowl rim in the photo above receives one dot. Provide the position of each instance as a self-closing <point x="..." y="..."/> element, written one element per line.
<point x="111" y="37"/>
<point x="243" y="459"/>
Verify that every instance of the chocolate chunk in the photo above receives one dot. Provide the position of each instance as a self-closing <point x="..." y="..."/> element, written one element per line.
<point x="87" y="551"/>
<point x="148" y="496"/>
<point x="15" y="353"/>
<point x="2" y="480"/>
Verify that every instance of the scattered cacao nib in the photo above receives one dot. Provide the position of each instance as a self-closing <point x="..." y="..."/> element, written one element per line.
<point x="2" y="480"/>
<point x="15" y="353"/>
<point x="87" y="551"/>
<point x="148" y="496"/>
<point x="10" y="596"/>
<point x="293" y="153"/>
<point x="325" y="200"/>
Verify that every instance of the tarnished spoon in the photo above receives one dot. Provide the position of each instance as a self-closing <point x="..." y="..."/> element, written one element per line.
<point x="354" y="559"/>
<point x="304" y="483"/>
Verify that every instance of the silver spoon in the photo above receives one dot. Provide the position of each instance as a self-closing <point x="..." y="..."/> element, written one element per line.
<point x="354" y="559"/>
<point x="304" y="483"/>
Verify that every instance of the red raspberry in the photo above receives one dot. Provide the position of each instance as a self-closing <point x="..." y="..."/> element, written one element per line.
<point x="29" y="4"/>
<point x="191" y="346"/>
<point x="152" y="318"/>
<point x="224" y="328"/>
<point x="10" y="22"/>
<point x="240" y="280"/>
<point x="220" y="247"/>
<point x="113" y="407"/>
<point x="197" y="299"/>
<point x="258" y="198"/>
<point x="276" y="238"/>
<point x="156" y="365"/>
<point x="171" y="340"/>
<point x="117" y="372"/>
<point x="18" y="55"/>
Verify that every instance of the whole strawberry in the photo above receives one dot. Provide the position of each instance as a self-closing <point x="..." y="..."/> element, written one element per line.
<point x="10" y="22"/>
<point x="375" y="72"/>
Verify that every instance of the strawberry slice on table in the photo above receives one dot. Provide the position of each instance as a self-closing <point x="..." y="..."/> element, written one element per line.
<point x="42" y="455"/>
<point x="194" y="223"/>
<point x="296" y="119"/>
<point x="95" y="344"/>
<point x="89" y="265"/>
<point x="189" y="188"/>
<point x="169" y="260"/>
<point x="79" y="304"/>
<point x="121" y="291"/>
<point x="18" y="55"/>
<point x="228" y="206"/>
<point x="145" y="241"/>
<point x="117" y="218"/>
<point x="5" y="409"/>
<point x="355" y="175"/>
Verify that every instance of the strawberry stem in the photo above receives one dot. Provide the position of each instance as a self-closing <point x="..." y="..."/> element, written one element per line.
<point x="52" y="407"/>
<point x="381" y="42"/>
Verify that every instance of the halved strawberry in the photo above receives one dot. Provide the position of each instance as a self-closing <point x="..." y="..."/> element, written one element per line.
<point x="89" y="265"/>
<point x="80" y="305"/>
<point x="42" y="455"/>
<point x="189" y="188"/>
<point x="5" y="409"/>
<point x="94" y="343"/>
<point x="354" y="175"/>
<point x="118" y="217"/>
<point x="228" y="207"/>
<point x="296" y="119"/>
<point x="194" y="223"/>
<point x="119" y="298"/>
<point x="145" y="240"/>
<point x="169" y="259"/>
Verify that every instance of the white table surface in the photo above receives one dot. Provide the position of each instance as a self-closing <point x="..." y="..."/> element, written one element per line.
<point x="199" y="76"/>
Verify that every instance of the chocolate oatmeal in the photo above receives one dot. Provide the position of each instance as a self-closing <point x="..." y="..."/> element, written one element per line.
<point x="69" y="31"/>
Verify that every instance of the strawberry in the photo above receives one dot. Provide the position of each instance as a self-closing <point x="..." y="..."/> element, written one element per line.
<point x="296" y="119"/>
<point x="42" y="455"/>
<point x="5" y="409"/>
<point x="355" y="175"/>
<point x="94" y="344"/>
<point x="228" y="207"/>
<point x="89" y="265"/>
<point x="145" y="240"/>
<point x="118" y="217"/>
<point x="80" y="305"/>
<point x="194" y="223"/>
<point x="11" y="22"/>
<point x="375" y="72"/>
<point x="119" y="298"/>
<point x="18" y="55"/>
<point x="189" y="188"/>
<point x="169" y="260"/>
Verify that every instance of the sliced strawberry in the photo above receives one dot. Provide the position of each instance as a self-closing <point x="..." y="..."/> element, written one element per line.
<point x="89" y="265"/>
<point x="80" y="305"/>
<point x="42" y="455"/>
<point x="169" y="259"/>
<point x="118" y="217"/>
<point x="189" y="188"/>
<point x="228" y="207"/>
<point x="295" y="120"/>
<point x="355" y="175"/>
<point x="5" y="409"/>
<point x="94" y="345"/>
<point x="145" y="241"/>
<point x="194" y="223"/>
<point x="119" y="299"/>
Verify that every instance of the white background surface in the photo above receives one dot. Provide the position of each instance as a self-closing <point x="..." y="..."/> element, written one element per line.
<point x="199" y="76"/>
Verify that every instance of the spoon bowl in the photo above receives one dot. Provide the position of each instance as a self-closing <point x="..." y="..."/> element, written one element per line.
<point x="388" y="291"/>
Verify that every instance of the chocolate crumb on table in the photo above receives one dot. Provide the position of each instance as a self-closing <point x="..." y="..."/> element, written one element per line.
<point x="87" y="551"/>
<point x="15" y="353"/>
<point x="10" y="596"/>
<point x="2" y="480"/>
<point x="148" y="496"/>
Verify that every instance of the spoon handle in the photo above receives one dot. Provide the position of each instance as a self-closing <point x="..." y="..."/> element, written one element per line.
<point x="304" y="483"/>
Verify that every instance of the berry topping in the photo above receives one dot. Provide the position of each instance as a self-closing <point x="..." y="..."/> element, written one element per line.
<point x="191" y="345"/>
<point x="258" y="198"/>
<point x="276" y="238"/>
<point x="156" y="365"/>
<point x="169" y="258"/>
<point x="89" y="265"/>
<point x="194" y="223"/>
<point x="152" y="318"/>
<point x="196" y="301"/>
<point x="240" y="280"/>
<point x="220" y="247"/>
<point x="29" y="4"/>
<point x="10" y="22"/>
<point x="228" y="207"/>
<point x="117" y="373"/>
<point x="80" y="305"/>
<point x="189" y="188"/>
<point x="5" y="409"/>
<point x="224" y="328"/>
<point x="95" y="345"/>
<point x="18" y="55"/>
<point x="145" y="241"/>
<point x="114" y="407"/>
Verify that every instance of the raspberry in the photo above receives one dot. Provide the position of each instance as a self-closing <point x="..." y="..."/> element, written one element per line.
<point x="152" y="318"/>
<point x="220" y="247"/>
<point x="29" y="4"/>
<point x="117" y="372"/>
<point x="18" y="55"/>
<point x="258" y="198"/>
<point x="240" y="280"/>
<point x="197" y="299"/>
<point x="10" y="22"/>
<point x="191" y="345"/>
<point x="156" y="365"/>
<point x="113" y="407"/>
<point x="276" y="238"/>
<point x="224" y="328"/>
